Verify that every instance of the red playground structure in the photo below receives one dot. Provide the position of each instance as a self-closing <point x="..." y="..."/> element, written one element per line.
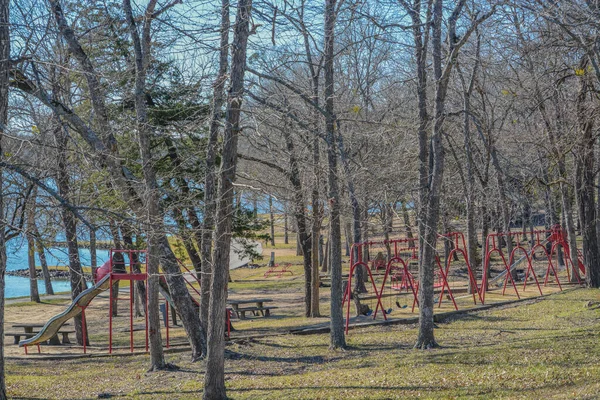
<point x="543" y="242"/>
<point x="397" y="275"/>
<point x="393" y="269"/>
<point x="123" y="265"/>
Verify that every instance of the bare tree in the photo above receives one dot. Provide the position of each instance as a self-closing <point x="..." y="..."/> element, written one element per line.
<point x="214" y="379"/>
<point x="4" y="84"/>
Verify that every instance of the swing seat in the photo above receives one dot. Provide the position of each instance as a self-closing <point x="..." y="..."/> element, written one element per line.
<point x="388" y="311"/>
<point x="401" y="306"/>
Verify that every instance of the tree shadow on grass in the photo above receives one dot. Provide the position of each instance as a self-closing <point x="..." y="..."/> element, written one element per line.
<point x="302" y="359"/>
<point x="473" y="317"/>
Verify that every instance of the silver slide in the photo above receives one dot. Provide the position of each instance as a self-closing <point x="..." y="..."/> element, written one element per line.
<point x="54" y="324"/>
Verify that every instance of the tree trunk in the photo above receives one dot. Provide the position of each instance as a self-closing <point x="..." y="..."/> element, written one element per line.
<point x="214" y="378"/>
<point x="272" y="220"/>
<point x="485" y="226"/>
<point x="300" y="216"/>
<point x="34" y="294"/>
<point x="316" y="237"/>
<point x="4" y="83"/>
<point x="469" y="189"/>
<point x="93" y="253"/>
<point x="407" y="226"/>
<point x="347" y="237"/>
<point x="286" y="239"/>
<point x="431" y="192"/>
<point x="356" y="213"/>
<point x="585" y="186"/>
<point x="39" y="247"/>
<point x="326" y="263"/>
<point x="598" y="191"/>
<point x="180" y="294"/>
<point x="337" y="337"/>
<point x="298" y="244"/>
<point x="210" y="180"/>
<point x="503" y="201"/>
<point x="114" y="231"/>
<point x="44" y="265"/>
<point x="140" y="287"/>
<point x="75" y="271"/>
<point x="152" y="218"/>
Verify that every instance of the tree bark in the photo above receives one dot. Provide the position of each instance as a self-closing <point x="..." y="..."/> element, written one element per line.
<point x="44" y="265"/>
<point x="159" y="250"/>
<point x="337" y="337"/>
<point x="272" y="220"/>
<point x="469" y="189"/>
<point x="214" y="379"/>
<point x="140" y="287"/>
<point x="407" y="226"/>
<point x="210" y="180"/>
<point x="152" y="219"/>
<point x="39" y="247"/>
<point x="585" y="186"/>
<point x="75" y="271"/>
<point x="4" y="83"/>
<point x="300" y="216"/>
<point x="34" y="293"/>
<point x="431" y="192"/>
<point x="93" y="253"/>
<point x="286" y="239"/>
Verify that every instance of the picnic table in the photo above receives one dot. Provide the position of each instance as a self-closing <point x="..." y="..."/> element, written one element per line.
<point x="28" y="331"/>
<point x="240" y="307"/>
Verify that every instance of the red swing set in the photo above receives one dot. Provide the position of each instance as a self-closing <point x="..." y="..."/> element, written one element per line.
<point x="401" y="252"/>
<point x="397" y="275"/>
<point x="540" y="238"/>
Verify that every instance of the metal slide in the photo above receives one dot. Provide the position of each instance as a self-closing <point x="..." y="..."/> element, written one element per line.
<point x="54" y="324"/>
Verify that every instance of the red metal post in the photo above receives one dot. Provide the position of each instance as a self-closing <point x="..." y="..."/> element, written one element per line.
<point x="110" y="310"/>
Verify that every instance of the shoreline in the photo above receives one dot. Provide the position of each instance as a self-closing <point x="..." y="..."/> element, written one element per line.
<point x="100" y="245"/>
<point x="55" y="273"/>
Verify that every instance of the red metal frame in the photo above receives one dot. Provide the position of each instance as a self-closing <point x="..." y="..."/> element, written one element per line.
<point x="442" y="281"/>
<point x="131" y="276"/>
<point x="284" y="269"/>
<point x="491" y="240"/>
<point x="555" y="235"/>
<point x="460" y="246"/>
<point x="407" y="279"/>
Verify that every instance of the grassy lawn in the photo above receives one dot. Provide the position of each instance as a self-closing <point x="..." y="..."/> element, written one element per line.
<point x="540" y="349"/>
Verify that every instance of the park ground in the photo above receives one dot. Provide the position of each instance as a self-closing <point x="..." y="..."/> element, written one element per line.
<point x="545" y="347"/>
<point x="540" y="348"/>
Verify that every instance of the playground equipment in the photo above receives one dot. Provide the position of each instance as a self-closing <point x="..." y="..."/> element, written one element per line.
<point x="75" y="308"/>
<point x="279" y="269"/>
<point x="397" y="275"/>
<point x="116" y="269"/>
<point x="123" y="265"/>
<point x="455" y="242"/>
<point x="546" y="242"/>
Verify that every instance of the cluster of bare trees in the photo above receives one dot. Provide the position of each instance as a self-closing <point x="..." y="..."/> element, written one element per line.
<point x="131" y="117"/>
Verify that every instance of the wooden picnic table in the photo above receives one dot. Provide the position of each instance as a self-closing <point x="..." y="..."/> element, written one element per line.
<point x="237" y="305"/>
<point x="28" y="331"/>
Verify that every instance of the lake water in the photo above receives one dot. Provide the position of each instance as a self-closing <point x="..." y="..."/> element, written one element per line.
<point x="16" y="252"/>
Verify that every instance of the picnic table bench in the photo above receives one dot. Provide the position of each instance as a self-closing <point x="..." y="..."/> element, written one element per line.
<point x="28" y="331"/>
<point x="237" y="306"/>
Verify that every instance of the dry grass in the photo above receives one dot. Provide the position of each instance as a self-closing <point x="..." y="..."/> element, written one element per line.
<point x="541" y="348"/>
<point x="546" y="348"/>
